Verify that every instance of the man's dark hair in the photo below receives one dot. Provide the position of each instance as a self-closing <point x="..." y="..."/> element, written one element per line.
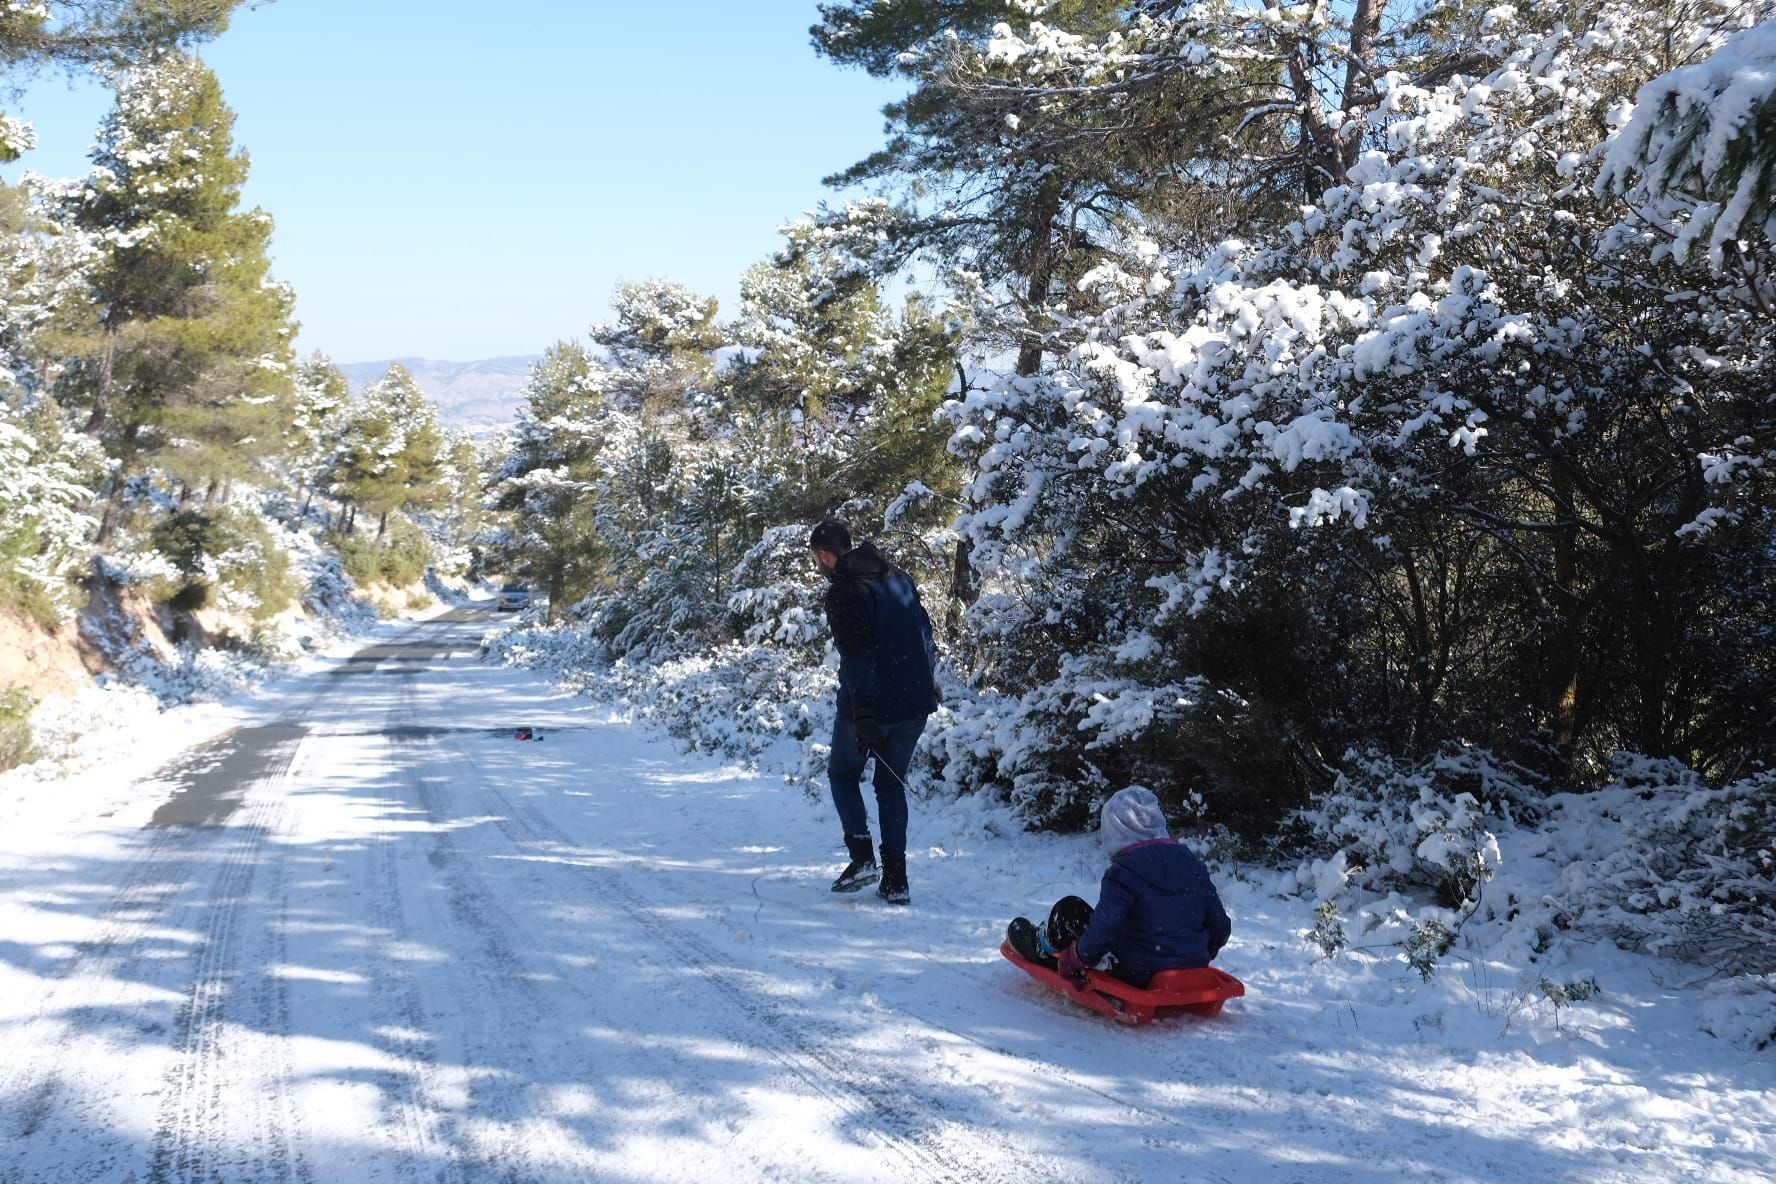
<point x="830" y="536"/>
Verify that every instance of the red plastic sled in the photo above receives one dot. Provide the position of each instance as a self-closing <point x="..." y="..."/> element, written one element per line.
<point x="1198" y="992"/>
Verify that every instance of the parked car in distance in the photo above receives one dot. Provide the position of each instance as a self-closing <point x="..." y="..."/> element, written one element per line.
<point x="512" y="598"/>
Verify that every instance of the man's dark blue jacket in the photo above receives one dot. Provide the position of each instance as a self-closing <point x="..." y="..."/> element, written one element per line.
<point x="883" y="635"/>
<point x="1157" y="910"/>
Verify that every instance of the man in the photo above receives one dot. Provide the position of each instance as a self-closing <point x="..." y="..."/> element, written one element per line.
<point x="886" y="689"/>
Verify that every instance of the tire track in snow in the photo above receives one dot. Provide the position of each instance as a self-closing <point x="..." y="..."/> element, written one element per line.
<point x="97" y="991"/>
<point x="486" y="1144"/>
<point x="223" y="1117"/>
<point x="271" y="998"/>
<point x="204" y="1090"/>
<point x="200" y="1134"/>
<point x="211" y="1093"/>
<point x="88" y="980"/>
<point x="1048" y="1001"/>
<point x="895" y="1103"/>
<point x="409" y="1090"/>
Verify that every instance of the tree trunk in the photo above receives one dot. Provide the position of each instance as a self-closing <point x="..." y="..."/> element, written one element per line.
<point x="113" y="510"/>
<point x="101" y="411"/>
<point x="557" y="588"/>
<point x="119" y="483"/>
<point x="1561" y="654"/>
<point x="1359" y="69"/>
<point x="382" y="525"/>
<point x="1418" y="641"/>
<point x="1652" y="632"/>
<point x="1041" y="254"/>
<point x="1327" y="153"/>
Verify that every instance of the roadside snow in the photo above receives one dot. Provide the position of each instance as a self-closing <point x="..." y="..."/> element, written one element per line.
<point x="94" y="745"/>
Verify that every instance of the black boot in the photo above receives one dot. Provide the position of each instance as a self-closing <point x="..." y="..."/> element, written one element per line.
<point x="893" y="887"/>
<point x="1066" y="922"/>
<point x="861" y="872"/>
<point x="1026" y="942"/>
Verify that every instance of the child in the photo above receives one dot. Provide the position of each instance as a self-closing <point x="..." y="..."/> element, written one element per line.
<point x="1157" y="909"/>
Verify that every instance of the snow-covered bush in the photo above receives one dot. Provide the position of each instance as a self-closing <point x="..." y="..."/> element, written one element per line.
<point x="1058" y="750"/>
<point x="398" y="560"/>
<point x="44" y="527"/>
<point x="1464" y="853"/>
<point x="736" y="699"/>
<point x="1405" y="851"/>
<point x="1659" y="860"/>
<point x="1742" y="1010"/>
<point x="775" y="602"/>
<point x="228" y="557"/>
<point x="327" y="597"/>
<point x="739" y="698"/>
<point x="17" y="745"/>
<point x="1417" y="827"/>
<point x="1402" y="471"/>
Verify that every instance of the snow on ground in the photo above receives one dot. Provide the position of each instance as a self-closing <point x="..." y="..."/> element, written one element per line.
<point x="419" y="949"/>
<point x="95" y="744"/>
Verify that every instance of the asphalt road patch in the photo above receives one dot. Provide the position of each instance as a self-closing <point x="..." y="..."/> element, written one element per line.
<point x="212" y="780"/>
<point x="411" y="651"/>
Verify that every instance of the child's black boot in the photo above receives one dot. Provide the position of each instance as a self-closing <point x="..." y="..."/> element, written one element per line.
<point x="1026" y="941"/>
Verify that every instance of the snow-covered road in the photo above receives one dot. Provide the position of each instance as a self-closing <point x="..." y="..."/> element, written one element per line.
<point x="367" y="935"/>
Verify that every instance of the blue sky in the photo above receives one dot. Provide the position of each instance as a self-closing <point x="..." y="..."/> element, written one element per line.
<point x="460" y="180"/>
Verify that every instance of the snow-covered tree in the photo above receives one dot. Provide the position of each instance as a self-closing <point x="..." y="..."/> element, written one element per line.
<point x="1698" y="154"/>
<point x="834" y="393"/>
<point x="659" y="341"/>
<point x="317" y="431"/>
<point x="190" y="362"/>
<point x="549" y="481"/>
<point x="1435" y="459"/>
<point x="46" y="474"/>
<point x="393" y="452"/>
<point x="44" y="298"/>
<point x="70" y="35"/>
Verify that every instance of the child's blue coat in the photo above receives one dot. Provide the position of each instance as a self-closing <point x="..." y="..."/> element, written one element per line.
<point x="1157" y="910"/>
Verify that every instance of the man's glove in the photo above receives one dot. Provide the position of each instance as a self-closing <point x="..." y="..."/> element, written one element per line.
<point x="870" y="737"/>
<point x="1071" y="968"/>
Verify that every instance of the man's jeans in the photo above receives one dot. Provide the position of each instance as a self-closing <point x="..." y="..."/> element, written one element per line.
<point x="844" y="769"/>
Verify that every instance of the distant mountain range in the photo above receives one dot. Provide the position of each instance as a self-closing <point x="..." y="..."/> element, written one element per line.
<point x="475" y="395"/>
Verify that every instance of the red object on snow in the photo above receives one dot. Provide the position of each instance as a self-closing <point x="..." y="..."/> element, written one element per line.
<point x="1200" y="991"/>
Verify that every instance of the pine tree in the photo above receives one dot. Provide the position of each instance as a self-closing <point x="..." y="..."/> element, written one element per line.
<point x="659" y="343"/>
<point x="84" y="33"/>
<point x="192" y="350"/>
<point x="87" y="34"/>
<point x="834" y="393"/>
<point x="1016" y="211"/>
<point x="549" y="483"/>
<point x="321" y="414"/>
<point x="44" y="306"/>
<point x="393" y="457"/>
